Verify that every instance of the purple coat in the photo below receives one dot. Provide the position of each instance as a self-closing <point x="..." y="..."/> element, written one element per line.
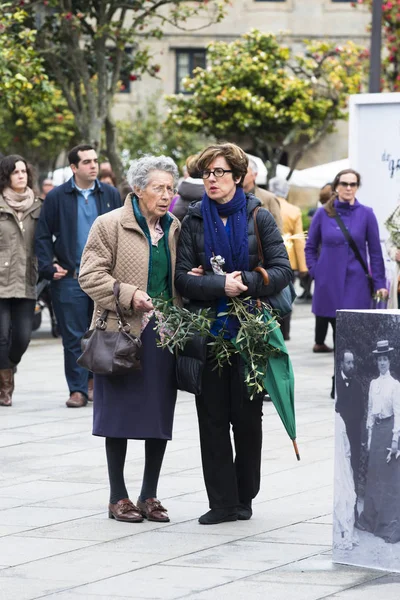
<point x="340" y="281"/>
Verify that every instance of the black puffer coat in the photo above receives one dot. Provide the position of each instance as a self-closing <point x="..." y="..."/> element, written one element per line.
<point x="204" y="292"/>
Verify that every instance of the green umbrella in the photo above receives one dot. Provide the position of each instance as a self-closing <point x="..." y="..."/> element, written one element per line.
<point x="279" y="383"/>
<point x="278" y="380"/>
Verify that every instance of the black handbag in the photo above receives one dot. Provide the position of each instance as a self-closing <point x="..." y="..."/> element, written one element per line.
<point x="110" y="352"/>
<point x="356" y="251"/>
<point x="283" y="300"/>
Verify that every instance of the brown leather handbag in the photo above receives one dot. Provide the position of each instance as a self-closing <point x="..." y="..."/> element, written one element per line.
<point x="110" y="352"/>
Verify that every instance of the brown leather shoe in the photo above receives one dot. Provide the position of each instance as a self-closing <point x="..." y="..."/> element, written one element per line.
<point x="90" y="390"/>
<point x="321" y="348"/>
<point x="76" y="400"/>
<point x="125" y="510"/>
<point x="6" y="386"/>
<point x="153" y="510"/>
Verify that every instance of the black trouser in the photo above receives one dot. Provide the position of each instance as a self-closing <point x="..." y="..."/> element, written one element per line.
<point x="284" y="322"/>
<point x="16" y="320"/>
<point x="224" y="401"/>
<point x="321" y="329"/>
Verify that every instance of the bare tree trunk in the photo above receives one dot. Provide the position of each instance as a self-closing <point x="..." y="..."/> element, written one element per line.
<point x="111" y="148"/>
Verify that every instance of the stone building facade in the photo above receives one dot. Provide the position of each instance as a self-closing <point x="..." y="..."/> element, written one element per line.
<point x="181" y="51"/>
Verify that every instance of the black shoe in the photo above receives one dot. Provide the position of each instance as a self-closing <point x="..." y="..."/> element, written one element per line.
<point x="333" y="388"/>
<point x="245" y="511"/>
<point x="218" y="515"/>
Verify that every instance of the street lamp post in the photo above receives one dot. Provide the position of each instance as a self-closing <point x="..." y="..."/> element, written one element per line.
<point x="376" y="43"/>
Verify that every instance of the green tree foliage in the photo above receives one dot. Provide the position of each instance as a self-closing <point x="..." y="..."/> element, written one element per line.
<point x="146" y="133"/>
<point x="84" y="44"/>
<point x="390" y="80"/>
<point x="34" y="117"/>
<point x="257" y="92"/>
<point x="39" y="132"/>
<point x="22" y="72"/>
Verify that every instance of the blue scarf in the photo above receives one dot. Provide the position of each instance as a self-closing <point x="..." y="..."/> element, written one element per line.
<point x="233" y="245"/>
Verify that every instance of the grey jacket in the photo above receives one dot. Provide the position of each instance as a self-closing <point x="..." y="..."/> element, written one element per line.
<point x="18" y="264"/>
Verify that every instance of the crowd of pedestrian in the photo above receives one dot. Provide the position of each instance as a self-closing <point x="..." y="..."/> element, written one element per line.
<point x="159" y="241"/>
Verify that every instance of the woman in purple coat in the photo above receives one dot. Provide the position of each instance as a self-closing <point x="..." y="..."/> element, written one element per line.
<point x="340" y="280"/>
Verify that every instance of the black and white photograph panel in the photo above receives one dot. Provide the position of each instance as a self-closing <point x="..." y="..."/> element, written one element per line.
<point x="366" y="513"/>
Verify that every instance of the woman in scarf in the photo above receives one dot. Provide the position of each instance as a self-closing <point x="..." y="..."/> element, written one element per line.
<point x="136" y="246"/>
<point x="221" y="226"/>
<point x="19" y="213"/>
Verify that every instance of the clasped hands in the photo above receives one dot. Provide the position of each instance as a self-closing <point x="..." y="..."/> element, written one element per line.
<point x="234" y="285"/>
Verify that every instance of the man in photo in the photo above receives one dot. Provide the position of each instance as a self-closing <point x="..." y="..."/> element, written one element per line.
<point x="350" y="406"/>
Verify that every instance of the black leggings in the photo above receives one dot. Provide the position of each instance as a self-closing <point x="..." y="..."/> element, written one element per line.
<point x="321" y="329"/>
<point x="116" y="453"/>
<point x="16" y="320"/>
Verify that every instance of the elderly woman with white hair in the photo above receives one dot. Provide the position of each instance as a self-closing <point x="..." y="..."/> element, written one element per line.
<point x="136" y="246"/>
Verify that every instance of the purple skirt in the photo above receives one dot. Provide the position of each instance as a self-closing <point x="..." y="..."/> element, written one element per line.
<point x="141" y="404"/>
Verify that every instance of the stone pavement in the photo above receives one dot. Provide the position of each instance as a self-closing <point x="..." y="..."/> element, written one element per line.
<point x="56" y="541"/>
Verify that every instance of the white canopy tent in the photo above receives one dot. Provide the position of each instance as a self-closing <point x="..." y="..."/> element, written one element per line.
<point x="314" y="177"/>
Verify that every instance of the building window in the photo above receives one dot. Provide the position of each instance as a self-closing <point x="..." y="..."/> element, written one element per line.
<point x="126" y="72"/>
<point x="186" y="61"/>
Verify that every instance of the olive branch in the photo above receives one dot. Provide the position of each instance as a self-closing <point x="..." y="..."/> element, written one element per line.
<point x="256" y="320"/>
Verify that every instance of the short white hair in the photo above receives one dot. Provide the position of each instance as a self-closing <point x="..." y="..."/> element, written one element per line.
<point x="141" y="168"/>
<point x="279" y="187"/>
<point x="252" y="164"/>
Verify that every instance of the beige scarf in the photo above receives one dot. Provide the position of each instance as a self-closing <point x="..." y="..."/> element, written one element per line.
<point x="19" y="202"/>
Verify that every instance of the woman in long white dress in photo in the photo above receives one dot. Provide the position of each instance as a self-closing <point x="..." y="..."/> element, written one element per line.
<point x="381" y="514"/>
<point x="344" y="535"/>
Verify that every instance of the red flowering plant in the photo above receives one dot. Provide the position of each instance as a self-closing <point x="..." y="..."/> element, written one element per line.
<point x="391" y="43"/>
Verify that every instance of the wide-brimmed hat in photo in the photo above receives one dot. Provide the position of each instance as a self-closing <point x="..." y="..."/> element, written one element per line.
<point x="382" y="347"/>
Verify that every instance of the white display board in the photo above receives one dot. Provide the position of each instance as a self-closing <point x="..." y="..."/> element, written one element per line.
<point x="374" y="151"/>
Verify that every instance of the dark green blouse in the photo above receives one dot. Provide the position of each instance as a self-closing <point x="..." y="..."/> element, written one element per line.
<point x="160" y="278"/>
<point x="158" y="283"/>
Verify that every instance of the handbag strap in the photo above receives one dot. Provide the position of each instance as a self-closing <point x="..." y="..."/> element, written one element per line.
<point x="351" y="243"/>
<point x="260" y="269"/>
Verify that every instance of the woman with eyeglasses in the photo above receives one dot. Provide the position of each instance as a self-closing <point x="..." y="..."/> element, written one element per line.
<point x="222" y="225"/>
<point x="136" y="246"/>
<point x="343" y="278"/>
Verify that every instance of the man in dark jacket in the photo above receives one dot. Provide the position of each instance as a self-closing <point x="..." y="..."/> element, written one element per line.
<point x="65" y="220"/>
<point x="350" y="406"/>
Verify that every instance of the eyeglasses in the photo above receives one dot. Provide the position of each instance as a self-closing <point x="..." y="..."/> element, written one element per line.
<point x="346" y="184"/>
<point x="161" y="189"/>
<point x="218" y="172"/>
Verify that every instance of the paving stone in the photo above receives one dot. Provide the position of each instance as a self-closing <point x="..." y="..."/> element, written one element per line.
<point x="55" y="529"/>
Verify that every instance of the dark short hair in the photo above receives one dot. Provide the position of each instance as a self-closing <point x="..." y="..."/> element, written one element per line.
<point x="7" y="167"/>
<point x="73" y="155"/>
<point x="107" y="173"/>
<point x="236" y="158"/>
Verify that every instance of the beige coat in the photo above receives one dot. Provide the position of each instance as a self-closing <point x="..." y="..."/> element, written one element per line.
<point x="293" y="225"/>
<point x="271" y="203"/>
<point x="118" y="250"/>
<point x="18" y="264"/>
